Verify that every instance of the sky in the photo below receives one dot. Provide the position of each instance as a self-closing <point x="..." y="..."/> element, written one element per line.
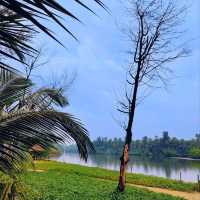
<point x="97" y="61"/>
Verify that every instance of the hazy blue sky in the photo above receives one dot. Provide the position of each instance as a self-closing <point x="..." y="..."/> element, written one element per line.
<point x="98" y="60"/>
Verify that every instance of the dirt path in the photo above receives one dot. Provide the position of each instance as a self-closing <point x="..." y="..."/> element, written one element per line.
<point x="35" y="170"/>
<point x="186" y="195"/>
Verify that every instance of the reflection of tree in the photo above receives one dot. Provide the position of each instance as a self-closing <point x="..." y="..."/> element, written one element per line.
<point x="168" y="172"/>
<point x="106" y="161"/>
<point x="166" y="166"/>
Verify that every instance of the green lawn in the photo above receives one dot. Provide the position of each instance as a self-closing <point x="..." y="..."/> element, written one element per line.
<point x="73" y="182"/>
<point x="113" y="175"/>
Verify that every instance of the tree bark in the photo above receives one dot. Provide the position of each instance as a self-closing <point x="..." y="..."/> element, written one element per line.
<point x="123" y="167"/>
<point x="125" y="156"/>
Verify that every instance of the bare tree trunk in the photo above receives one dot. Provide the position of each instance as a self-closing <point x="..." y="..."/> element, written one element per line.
<point x="125" y="157"/>
<point x="123" y="167"/>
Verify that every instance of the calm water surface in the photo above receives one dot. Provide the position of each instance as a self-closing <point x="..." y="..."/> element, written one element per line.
<point x="168" y="168"/>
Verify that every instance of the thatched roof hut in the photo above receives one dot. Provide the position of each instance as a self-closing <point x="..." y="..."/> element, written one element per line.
<point x="37" y="148"/>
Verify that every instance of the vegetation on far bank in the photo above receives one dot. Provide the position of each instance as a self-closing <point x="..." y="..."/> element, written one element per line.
<point x="60" y="181"/>
<point x="162" y="147"/>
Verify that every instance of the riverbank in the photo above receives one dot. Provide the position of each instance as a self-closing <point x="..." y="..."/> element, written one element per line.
<point x="167" y="168"/>
<point x="185" y="158"/>
<point x="59" y="181"/>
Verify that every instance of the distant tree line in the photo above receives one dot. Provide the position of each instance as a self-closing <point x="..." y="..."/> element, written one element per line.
<point x="159" y="147"/>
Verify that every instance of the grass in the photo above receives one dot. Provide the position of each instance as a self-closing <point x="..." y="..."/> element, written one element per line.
<point x="139" y="179"/>
<point x="61" y="181"/>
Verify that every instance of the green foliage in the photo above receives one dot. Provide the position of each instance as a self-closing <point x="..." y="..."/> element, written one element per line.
<point x="93" y="172"/>
<point x="62" y="181"/>
<point x="163" y="147"/>
<point x="195" y="152"/>
<point x="11" y="188"/>
<point x="28" y="118"/>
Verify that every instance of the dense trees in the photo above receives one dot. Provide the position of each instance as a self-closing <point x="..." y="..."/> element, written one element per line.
<point x="162" y="147"/>
<point x="158" y="147"/>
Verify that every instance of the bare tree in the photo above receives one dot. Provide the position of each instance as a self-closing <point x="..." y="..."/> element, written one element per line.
<point x="155" y="40"/>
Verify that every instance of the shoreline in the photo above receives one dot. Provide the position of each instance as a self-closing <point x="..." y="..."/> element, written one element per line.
<point x="146" y="157"/>
<point x="186" y="158"/>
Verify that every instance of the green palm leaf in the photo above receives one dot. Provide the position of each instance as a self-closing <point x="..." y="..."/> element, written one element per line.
<point x="7" y="73"/>
<point x="44" y="98"/>
<point x="13" y="90"/>
<point x="19" y="131"/>
<point x="20" y="19"/>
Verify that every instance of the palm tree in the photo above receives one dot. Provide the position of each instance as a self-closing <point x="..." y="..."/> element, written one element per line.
<point x="28" y="118"/>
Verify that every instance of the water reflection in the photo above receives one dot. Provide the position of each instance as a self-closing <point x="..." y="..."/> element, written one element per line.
<point x="169" y="168"/>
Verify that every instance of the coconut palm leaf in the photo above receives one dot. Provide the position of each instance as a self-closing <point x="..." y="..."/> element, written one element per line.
<point x="20" y="19"/>
<point x="35" y="125"/>
<point x="13" y="90"/>
<point x="19" y="131"/>
<point x="31" y="10"/>
<point x="7" y="73"/>
<point x="14" y="34"/>
<point x="45" y="98"/>
<point x="42" y="99"/>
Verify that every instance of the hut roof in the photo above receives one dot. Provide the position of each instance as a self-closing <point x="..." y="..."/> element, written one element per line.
<point x="37" y="148"/>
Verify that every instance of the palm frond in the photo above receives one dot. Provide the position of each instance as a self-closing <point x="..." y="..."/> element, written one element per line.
<point x="14" y="37"/>
<point x="44" y="98"/>
<point x="20" y="19"/>
<point x="19" y="131"/>
<point x="31" y="10"/>
<point x="13" y="90"/>
<point x="7" y="73"/>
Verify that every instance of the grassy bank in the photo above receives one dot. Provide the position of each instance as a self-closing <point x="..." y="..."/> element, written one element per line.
<point x="113" y="175"/>
<point x="61" y="181"/>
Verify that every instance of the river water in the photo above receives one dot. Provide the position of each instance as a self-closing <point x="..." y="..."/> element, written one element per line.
<point x="168" y="168"/>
